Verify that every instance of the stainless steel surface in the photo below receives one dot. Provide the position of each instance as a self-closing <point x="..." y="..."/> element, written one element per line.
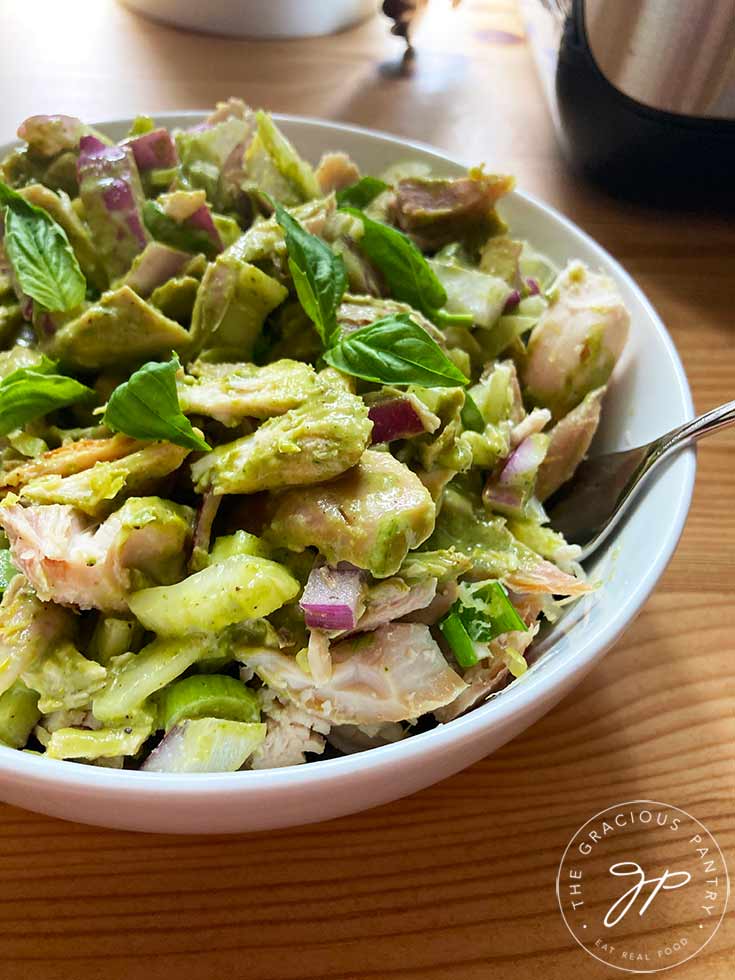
<point x="673" y="55"/>
<point x="587" y="509"/>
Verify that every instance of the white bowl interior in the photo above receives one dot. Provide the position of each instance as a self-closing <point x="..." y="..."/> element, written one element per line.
<point x="649" y="396"/>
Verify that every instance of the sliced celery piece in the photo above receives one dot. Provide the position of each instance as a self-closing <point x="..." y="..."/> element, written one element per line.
<point x="134" y="677"/>
<point x="239" y="543"/>
<point x="240" y="587"/>
<point x="208" y="696"/>
<point x="113" y="637"/>
<point x="125" y="738"/>
<point x="18" y="715"/>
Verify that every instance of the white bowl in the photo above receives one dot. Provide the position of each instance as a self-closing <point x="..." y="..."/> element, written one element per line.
<point x="258" y="18"/>
<point x="649" y="395"/>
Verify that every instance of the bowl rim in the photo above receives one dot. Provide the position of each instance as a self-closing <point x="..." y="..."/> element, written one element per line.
<point x="499" y="710"/>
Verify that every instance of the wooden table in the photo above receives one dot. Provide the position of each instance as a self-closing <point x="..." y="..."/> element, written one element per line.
<point x="457" y="881"/>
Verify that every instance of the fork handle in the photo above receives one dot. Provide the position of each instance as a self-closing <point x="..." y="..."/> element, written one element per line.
<point x="704" y="425"/>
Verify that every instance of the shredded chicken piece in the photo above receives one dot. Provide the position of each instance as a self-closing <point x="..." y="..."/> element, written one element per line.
<point x="528" y="607"/>
<point x="545" y="577"/>
<point x="64" y="719"/>
<point x="437" y="212"/>
<point x="355" y="312"/>
<point x="203" y="530"/>
<point x="577" y="341"/>
<point x="319" y="657"/>
<point x="396" y="673"/>
<point x="569" y="441"/>
<point x="233" y="392"/>
<point x="70" y="459"/>
<point x="393" y="599"/>
<point x="436" y="480"/>
<point x="517" y="412"/>
<point x="232" y="108"/>
<point x="437" y="608"/>
<point x="76" y="562"/>
<point x="290" y="734"/>
<point x="335" y="172"/>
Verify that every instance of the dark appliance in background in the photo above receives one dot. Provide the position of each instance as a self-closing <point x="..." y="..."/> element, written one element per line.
<point x="642" y="92"/>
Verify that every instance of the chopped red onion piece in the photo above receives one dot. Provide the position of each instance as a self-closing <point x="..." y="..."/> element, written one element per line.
<point x="168" y="754"/>
<point x="204" y="745"/>
<point x="396" y="418"/>
<point x="90" y="146"/>
<point x="332" y="598"/>
<point x="533" y="287"/>
<point x="118" y="196"/>
<point x="202" y="220"/>
<point x="157" y="264"/>
<point x="109" y="185"/>
<point x="154" y="149"/>
<point x="26" y="307"/>
<point x="45" y="325"/>
<point x="526" y="459"/>
<point x="205" y="518"/>
<point x="506" y="500"/>
<point x="511" y="490"/>
<point x="512" y="301"/>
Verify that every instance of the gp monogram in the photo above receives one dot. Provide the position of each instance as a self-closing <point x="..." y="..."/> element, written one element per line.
<point x="642" y="886"/>
<point x="619" y="909"/>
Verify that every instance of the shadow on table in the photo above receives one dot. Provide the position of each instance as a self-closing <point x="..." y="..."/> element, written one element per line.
<point x="421" y="96"/>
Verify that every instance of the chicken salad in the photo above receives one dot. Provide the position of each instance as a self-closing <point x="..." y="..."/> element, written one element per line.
<point x="275" y="442"/>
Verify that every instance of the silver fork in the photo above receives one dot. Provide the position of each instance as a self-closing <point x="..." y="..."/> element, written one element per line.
<point x="588" y="508"/>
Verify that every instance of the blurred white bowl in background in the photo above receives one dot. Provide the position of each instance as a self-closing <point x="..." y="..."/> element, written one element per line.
<point x="258" y="18"/>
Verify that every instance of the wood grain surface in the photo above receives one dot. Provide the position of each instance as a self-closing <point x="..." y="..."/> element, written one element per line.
<point x="456" y="881"/>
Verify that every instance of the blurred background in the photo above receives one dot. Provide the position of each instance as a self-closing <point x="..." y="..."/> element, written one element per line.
<point x="641" y="93"/>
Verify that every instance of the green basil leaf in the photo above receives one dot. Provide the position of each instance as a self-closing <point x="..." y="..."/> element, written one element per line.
<point x="28" y="393"/>
<point x="8" y="571"/>
<point x="360" y="194"/>
<point x="146" y="406"/>
<point x="43" y="261"/>
<point x="395" y="351"/>
<point x="165" y="229"/>
<point x="471" y="416"/>
<point x="408" y="275"/>
<point x="318" y="275"/>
